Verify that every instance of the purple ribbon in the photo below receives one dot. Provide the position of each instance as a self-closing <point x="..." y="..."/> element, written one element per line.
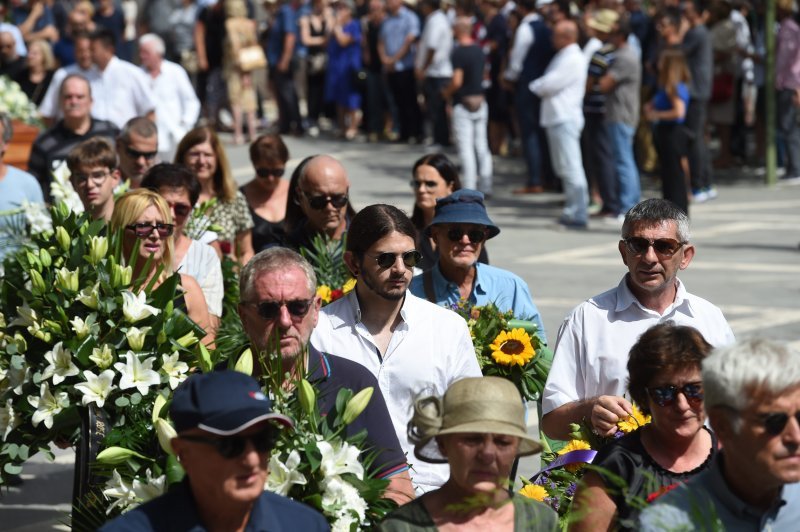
<point x="572" y="457"/>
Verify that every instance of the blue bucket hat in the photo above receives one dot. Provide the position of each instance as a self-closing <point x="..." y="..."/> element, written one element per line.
<point x="222" y="403"/>
<point x="463" y="206"/>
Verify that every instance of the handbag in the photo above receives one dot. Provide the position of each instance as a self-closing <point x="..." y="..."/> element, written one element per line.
<point x="251" y="58"/>
<point x="317" y="63"/>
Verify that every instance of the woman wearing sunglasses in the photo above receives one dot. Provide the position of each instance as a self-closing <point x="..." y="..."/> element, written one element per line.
<point x="664" y="368"/>
<point x="144" y="217"/>
<point x="266" y="194"/>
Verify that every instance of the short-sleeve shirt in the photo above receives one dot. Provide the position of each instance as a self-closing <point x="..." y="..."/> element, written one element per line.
<point x="286" y="22"/>
<point x="622" y="103"/>
<point x="15" y="188"/>
<point x="393" y="34"/>
<point x="661" y="101"/>
<point x="233" y="217"/>
<point x="471" y="61"/>
<point x="700" y="60"/>
<point x="202" y="263"/>
<point x="594" y="101"/>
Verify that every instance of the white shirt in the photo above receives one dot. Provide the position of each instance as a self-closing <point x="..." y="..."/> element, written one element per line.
<point x="523" y="40"/>
<point x="202" y="263"/>
<point x="591" y="353"/>
<point x="562" y="87"/>
<point x="430" y="349"/>
<point x="438" y="37"/>
<point x="122" y="93"/>
<point x="177" y="106"/>
<point x="19" y="42"/>
<point x="51" y="106"/>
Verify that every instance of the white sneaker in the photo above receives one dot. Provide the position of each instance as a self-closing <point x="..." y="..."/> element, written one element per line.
<point x="700" y="196"/>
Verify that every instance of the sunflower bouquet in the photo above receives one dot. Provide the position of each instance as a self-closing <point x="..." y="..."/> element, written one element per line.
<point x="507" y="347"/>
<point x="333" y="278"/>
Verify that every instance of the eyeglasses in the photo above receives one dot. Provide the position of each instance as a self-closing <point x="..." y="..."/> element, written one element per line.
<point x="476" y="236"/>
<point x="135" y="154"/>
<point x="270" y="310"/>
<point x="387" y="260"/>
<point x="428" y="184"/>
<point x="775" y="422"/>
<point x="233" y="446"/>
<point x="320" y="202"/>
<point x="666" y="247"/>
<point x="180" y="209"/>
<point x="668" y="394"/>
<point x="266" y="172"/>
<point x="144" y="230"/>
<point x="98" y="177"/>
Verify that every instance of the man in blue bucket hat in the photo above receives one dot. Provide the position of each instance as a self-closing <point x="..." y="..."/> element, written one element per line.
<point x="459" y="227"/>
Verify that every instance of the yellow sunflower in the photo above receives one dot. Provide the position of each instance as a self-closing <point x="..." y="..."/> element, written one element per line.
<point x="512" y="347"/>
<point x="349" y="285"/>
<point x="574" y="445"/>
<point x="533" y="491"/>
<point x="324" y="293"/>
<point x="634" y="421"/>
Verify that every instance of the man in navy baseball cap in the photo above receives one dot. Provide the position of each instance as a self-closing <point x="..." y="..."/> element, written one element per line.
<point x="226" y="430"/>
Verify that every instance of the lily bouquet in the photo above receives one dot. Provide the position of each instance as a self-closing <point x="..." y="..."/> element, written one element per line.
<point x="333" y="278"/>
<point x="16" y="104"/>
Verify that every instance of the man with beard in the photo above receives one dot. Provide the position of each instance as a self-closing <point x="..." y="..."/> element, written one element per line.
<point x="412" y="346"/>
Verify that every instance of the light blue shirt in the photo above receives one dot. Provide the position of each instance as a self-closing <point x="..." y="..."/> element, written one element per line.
<point x="492" y="285"/>
<point x="393" y="34"/>
<point x="17" y="186"/>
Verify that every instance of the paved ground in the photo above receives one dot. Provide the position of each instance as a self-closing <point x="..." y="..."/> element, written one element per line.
<point x="747" y="262"/>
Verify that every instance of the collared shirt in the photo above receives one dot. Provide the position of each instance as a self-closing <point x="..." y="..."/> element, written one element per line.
<point x="707" y="498"/>
<point x="429" y="350"/>
<point x="122" y="93"/>
<point x="523" y="40"/>
<point x="787" y="57"/>
<point x="562" y="87"/>
<point x="286" y="22"/>
<point x="437" y="36"/>
<point x="591" y="353"/>
<point x="393" y="34"/>
<point x="51" y="106"/>
<point x="177" y="106"/>
<point x="492" y="285"/>
<point x="177" y="510"/>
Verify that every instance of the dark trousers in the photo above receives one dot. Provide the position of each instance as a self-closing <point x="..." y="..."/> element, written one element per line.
<point x="376" y="102"/>
<point x="404" y="91"/>
<point x="790" y="131"/>
<point x="437" y="109"/>
<point x="598" y="160"/>
<point x="289" y="120"/>
<point x="670" y="142"/>
<point x="315" y="95"/>
<point x="699" y="160"/>
<point x="526" y="105"/>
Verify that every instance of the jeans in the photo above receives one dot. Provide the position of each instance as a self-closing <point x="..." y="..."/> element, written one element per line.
<point x="564" y="141"/>
<point x="473" y="145"/>
<point x="629" y="187"/>
<point x="437" y="109"/>
<point x="598" y="160"/>
<point x="526" y="106"/>
<point x="790" y="131"/>
<point x="699" y="160"/>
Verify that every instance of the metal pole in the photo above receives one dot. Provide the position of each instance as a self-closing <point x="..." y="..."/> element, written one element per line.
<point x="769" y="37"/>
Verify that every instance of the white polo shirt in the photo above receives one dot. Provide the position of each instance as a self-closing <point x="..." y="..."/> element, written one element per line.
<point x="437" y="35"/>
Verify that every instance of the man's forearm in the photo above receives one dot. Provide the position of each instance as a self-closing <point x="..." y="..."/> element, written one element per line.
<point x="555" y="424"/>
<point x="400" y="488"/>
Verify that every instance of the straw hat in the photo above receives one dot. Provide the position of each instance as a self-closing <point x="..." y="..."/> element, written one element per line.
<point x="603" y="20"/>
<point x="484" y="405"/>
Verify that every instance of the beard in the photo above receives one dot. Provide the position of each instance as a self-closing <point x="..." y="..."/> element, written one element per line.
<point x="374" y="284"/>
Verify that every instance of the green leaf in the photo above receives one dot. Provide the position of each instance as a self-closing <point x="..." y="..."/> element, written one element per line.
<point x="174" y="472"/>
<point x="122" y="402"/>
<point x="12" y="469"/>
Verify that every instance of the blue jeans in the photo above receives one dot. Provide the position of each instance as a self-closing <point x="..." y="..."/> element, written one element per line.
<point x="564" y="141"/>
<point x="628" y="184"/>
<point x="787" y="126"/>
<point x="526" y="106"/>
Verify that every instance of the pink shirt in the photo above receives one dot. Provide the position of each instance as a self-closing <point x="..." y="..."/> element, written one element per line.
<point x="787" y="61"/>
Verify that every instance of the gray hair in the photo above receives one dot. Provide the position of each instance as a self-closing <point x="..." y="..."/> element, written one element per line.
<point x="732" y="375"/>
<point x="155" y="40"/>
<point x="270" y="260"/>
<point x="74" y="75"/>
<point x="655" y="211"/>
<point x="8" y="128"/>
<point x="141" y="125"/>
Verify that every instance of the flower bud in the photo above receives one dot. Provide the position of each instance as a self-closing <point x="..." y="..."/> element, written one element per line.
<point x="187" y="340"/>
<point x="245" y="362"/>
<point x="162" y="337"/>
<point x="126" y="273"/>
<point x="356" y="405"/>
<point x="19" y="340"/>
<point x="67" y="280"/>
<point x="45" y="258"/>
<point x="33" y="261"/>
<point x="116" y="455"/>
<point x="307" y="396"/>
<point x="63" y="239"/>
<point x="158" y="405"/>
<point x="136" y="337"/>
<point x="89" y="296"/>
<point x="97" y="249"/>
<point x="43" y="335"/>
<point x="103" y="357"/>
<point x="53" y="326"/>
<point x="165" y="433"/>
<point x="37" y="283"/>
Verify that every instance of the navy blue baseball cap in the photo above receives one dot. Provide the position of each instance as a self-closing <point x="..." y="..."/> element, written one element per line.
<point x="463" y="206"/>
<point x="223" y="403"/>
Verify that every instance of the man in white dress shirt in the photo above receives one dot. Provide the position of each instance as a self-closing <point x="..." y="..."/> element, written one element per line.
<point x="50" y="108"/>
<point x="177" y="106"/>
<point x="589" y="374"/>
<point x="413" y="347"/>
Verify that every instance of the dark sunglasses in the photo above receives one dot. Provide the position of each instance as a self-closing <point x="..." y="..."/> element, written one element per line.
<point x="476" y="236"/>
<point x="320" y="202"/>
<point x="270" y="310"/>
<point x="387" y="260"/>
<point x="145" y="230"/>
<point x="233" y="446"/>
<point x="135" y="154"/>
<point x="428" y="184"/>
<point x="666" y="247"/>
<point x="775" y="423"/>
<point x="666" y="395"/>
<point x="181" y="209"/>
<point x="266" y="172"/>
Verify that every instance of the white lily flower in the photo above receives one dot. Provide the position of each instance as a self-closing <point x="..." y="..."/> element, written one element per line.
<point x="136" y="336"/>
<point x="97" y="249"/>
<point x="135" y="308"/>
<point x="340" y="498"/>
<point x="38" y="217"/>
<point x="89" y="296"/>
<point x="85" y="328"/>
<point x="26" y="317"/>
<point x="62" y="191"/>
<point x="61" y="365"/>
<point x="122" y="494"/>
<point x="165" y="433"/>
<point x="283" y="476"/>
<point x="68" y="280"/>
<point x="152" y="488"/>
<point x="102" y="356"/>
<point x="17" y="378"/>
<point x="344" y="523"/>
<point x="174" y="369"/>
<point x="9" y="420"/>
<point x="47" y="406"/>
<point x="339" y="460"/>
<point x="137" y="374"/>
<point x="96" y="388"/>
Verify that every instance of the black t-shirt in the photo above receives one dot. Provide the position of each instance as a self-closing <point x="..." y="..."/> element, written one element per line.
<point x="213" y="19"/>
<point x="497" y="31"/>
<point x="471" y="60"/>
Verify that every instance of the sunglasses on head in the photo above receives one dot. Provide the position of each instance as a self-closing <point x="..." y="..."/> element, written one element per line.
<point x="320" y="202"/>
<point x="387" y="260"/>
<point x="476" y="236"/>
<point x="270" y="310"/>
<point x="668" y="394"/>
<point x="144" y="230"/>
<point x="266" y="172"/>
<point x="233" y="446"/>
<point x="775" y="422"/>
<point x="181" y="209"/>
<point x="666" y="247"/>
<point x="135" y="154"/>
<point x="428" y="184"/>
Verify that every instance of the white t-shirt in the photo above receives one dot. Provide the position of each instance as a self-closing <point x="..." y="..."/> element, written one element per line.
<point x="202" y="263"/>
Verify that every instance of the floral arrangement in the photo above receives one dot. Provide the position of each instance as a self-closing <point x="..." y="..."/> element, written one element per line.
<point x="506" y="347"/>
<point x="333" y="278"/>
<point x="15" y="103"/>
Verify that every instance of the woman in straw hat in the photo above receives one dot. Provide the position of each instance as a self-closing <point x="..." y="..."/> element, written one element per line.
<point x="479" y="429"/>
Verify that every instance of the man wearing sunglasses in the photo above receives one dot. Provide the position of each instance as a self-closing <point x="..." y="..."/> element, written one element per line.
<point x="410" y="345"/>
<point x="226" y="430"/>
<point x="279" y="309"/>
<point x="752" y="396"/>
<point x="137" y="147"/>
<point x="459" y="228"/>
<point x="589" y="376"/>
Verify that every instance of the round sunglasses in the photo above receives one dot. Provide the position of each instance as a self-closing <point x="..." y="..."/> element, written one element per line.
<point x="668" y="394"/>
<point x="143" y="230"/>
<point x="233" y="446"/>
<point x="387" y="260"/>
